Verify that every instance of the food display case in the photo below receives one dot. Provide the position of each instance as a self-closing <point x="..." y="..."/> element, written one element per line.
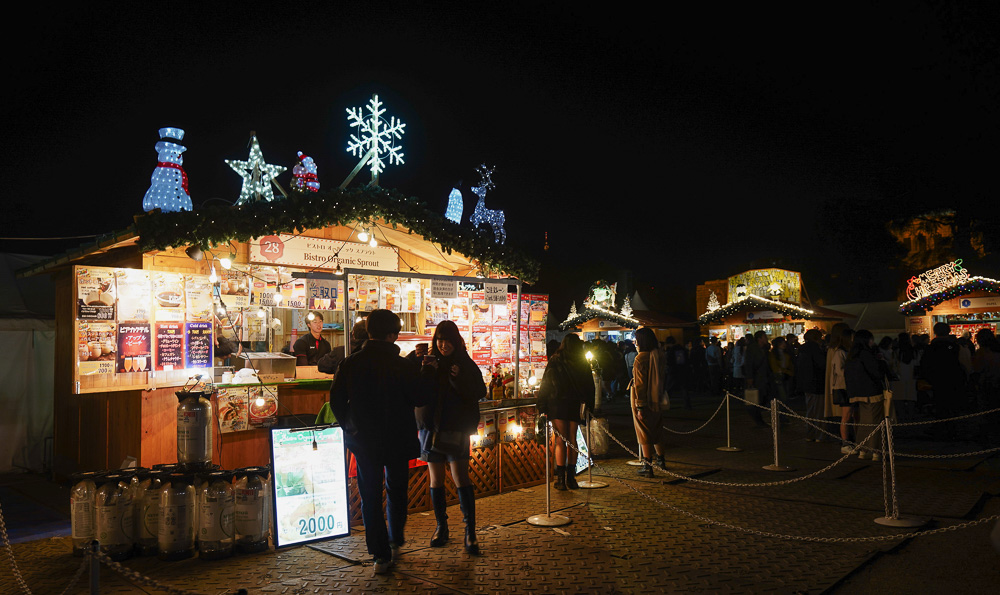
<point x="267" y="363"/>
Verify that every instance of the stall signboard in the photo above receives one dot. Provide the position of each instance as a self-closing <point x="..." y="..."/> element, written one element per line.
<point x="772" y="284"/>
<point x="309" y="468"/>
<point x="169" y="346"/>
<point x="234" y="286"/>
<point x="233" y="406"/>
<point x="324" y="293"/>
<point x="200" y="344"/>
<point x="134" y="348"/>
<point x="198" y="298"/>
<point x="321" y="253"/>
<point x="135" y="294"/>
<point x="97" y="347"/>
<point x="263" y="406"/>
<point x="443" y="289"/>
<point x="936" y="280"/>
<point x="96" y="293"/>
<point x="168" y="296"/>
<point x="979" y="302"/>
<point x="495" y="293"/>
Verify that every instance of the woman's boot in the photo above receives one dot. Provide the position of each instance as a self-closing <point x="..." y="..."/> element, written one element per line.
<point x="560" y="478"/>
<point x="571" y="477"/>
<point x="467" y="500"/>
<point x="646" y="470"/>
<point x="438" y="499"/>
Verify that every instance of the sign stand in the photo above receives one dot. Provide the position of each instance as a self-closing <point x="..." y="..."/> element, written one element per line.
<point x="589" y="483"/>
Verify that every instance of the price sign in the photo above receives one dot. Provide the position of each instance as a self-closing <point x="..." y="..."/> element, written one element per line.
<point x="169" y="346"/>
<point x="310" y="484"/>
<point x="443" y="289"/>
<point x="134" y="351"/>
<point x="199" y="343"/>
<point x="496" y="293"/>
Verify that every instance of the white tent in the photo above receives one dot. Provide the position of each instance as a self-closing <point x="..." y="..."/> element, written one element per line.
<point x="27" y="342"/>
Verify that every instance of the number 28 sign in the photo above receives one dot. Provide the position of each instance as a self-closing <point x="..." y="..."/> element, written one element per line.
<point x="271" y="247"/>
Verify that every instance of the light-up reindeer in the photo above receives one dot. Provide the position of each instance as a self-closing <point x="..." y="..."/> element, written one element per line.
<point x="494" y="217"/>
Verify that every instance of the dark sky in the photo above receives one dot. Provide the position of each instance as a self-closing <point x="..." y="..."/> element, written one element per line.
<point x="683" y="147"/>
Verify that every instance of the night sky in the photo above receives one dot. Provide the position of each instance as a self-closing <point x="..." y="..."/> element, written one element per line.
<point x="681" y="147"/>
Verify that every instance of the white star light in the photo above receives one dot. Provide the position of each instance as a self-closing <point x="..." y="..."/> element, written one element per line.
<point x="257" y="175"/>
<point x="376" y="137"/>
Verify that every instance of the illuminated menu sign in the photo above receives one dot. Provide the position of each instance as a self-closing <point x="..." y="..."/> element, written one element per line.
<point x="310" y="484"/>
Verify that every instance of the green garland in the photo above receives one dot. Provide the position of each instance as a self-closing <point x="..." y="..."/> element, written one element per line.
<point x="589" y="314"/>
<point x="214" y="225"/>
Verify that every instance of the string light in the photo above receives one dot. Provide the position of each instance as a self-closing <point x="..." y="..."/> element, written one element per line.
<point x="256" y="173"/>
<point x="481" y="214"/>
<point x="168" y="186"/>
<point x="363" y="235"/>
<point x="305" y="174"/>
<point x="227" y="263"/>
<point x="212" y="277"/>
<point x="261" y="313"/>
<point x="455" y="206"/>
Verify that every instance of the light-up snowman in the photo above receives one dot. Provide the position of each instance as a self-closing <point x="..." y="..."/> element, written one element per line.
<point x="168" y="188"/>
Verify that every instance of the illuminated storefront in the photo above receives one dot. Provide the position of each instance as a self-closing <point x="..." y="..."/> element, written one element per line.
<point x="948" y="294"/>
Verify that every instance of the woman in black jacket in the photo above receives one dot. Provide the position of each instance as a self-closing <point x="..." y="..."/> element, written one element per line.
<point x="567" y="387"/>
<point x="865" y="381"/>
<point x="445" y="424"/>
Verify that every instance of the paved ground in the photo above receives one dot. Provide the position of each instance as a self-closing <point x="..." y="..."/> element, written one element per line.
<point x="635" y="536"/>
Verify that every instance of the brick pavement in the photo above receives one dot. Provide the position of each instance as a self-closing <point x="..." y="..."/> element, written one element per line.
<point x="623" y="541"/>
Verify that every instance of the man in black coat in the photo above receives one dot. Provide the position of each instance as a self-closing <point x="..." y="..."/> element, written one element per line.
<point x="940" y="367"/>
<point x="810" y="376"/>
<point x="374" y="394"/>
<point x="757" y="370"/>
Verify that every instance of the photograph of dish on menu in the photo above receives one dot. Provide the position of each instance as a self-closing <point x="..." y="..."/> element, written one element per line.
<point x="97" y="346"/>
<point x="539" y="310"/>
<point x="135" y="298"/>
<point x="233" y="406"/>
<point x="234" y="286"/>
<point x="134" y="348"/>
<point x="480" y="310"/>
<point x="168" y="296"/>
<point x="96" y="293"/>
<point x="198" y="298"/>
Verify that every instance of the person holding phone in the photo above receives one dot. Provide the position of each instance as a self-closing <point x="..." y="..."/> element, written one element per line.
<point x="445" y="424"/>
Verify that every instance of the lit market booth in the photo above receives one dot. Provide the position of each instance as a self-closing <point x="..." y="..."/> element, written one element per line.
<point x="600" y="318"/>
<point x="949" y="294"/>
<point x="138" y="314"/>
<point x="768" y="300"/>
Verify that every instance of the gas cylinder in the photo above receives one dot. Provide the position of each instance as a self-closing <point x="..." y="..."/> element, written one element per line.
<point x="194" y="428"/>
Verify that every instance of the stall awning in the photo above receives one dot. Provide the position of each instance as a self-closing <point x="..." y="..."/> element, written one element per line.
<point x="966" y="287"/>
<point x="753" y="303"/>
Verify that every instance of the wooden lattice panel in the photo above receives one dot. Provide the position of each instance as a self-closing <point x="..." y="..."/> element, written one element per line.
<point x="484" y="470"/>
<point x="522" y="464"/>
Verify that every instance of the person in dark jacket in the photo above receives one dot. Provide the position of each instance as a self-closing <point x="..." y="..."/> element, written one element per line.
<point x="567" y="387"/>
<point x="757" y="369"/>
<point x="454" y="408"/>
<point x="865" y="382"/>
<point x="373" y="395"/>
<point x="941" y="368"/>
<point x="329" y="363"/>
<point x="810" y="376"/>
<point x="311" y="347"/>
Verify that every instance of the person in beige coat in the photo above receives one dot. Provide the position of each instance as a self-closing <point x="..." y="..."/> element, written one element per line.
<point x="647" y="387"/>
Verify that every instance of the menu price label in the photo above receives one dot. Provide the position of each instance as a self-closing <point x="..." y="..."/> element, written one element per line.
<point x="199" y="344"/>
<point x="169" y="346"/>
<point x="496" y="293"/>
<point x="133" y="347"/>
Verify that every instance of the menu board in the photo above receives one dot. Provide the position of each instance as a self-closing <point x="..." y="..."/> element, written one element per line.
<point x="234" y="287"/>
<point x="134" y="348"/>
<point x="96" y="293"/>
<point x="200" y="342"/>
<point x="368" y="294"/>
<point x="169" y="345"/>
<point x="97" y="347"/>
<point x="391" y="298"/>
<point x="134" y="294"/>
<point x="168" y="296"/>
<point x="198" y="298"/>
<point x="310" y="484"/>
<point x="232" y="404"/>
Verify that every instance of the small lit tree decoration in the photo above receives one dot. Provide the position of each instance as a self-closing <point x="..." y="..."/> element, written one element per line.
<point x="572" y="312"/>
<point x="376" y="139"/>
<point x="713" y="302"/>
<point x="493" y="217"/>
<point x="626" y="307"/>
<point x="305" y="174"/>
<point x="257" y="175"/>
<point x="455" y="205"/>
<point x="168" y="186"/>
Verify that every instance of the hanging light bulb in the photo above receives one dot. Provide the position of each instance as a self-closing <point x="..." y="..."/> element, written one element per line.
<point x="532" y="380"/>
<point x="358" y="319"/>
<point x="310" y="316"/>
<point x="363" y="236"/>
<point x="277" y="297"/>
<point x="373" y="243"/>
<point x="261" y="313"/>
<point x="338" y="270"/>
<point x="212" y="277"/>
<point x="227" y="263"/>
<point x="221" y="310"/>
<point x="259" y="402"/>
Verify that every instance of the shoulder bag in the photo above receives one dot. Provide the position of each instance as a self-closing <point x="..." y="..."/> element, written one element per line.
<point x="448" y="441"/>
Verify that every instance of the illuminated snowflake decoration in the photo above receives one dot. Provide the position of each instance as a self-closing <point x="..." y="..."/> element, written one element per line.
<point x="376" y="139"/>
<point x="257" y="175"/>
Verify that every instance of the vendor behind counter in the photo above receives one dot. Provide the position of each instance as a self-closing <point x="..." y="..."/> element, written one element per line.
<point x="310" y="348"/>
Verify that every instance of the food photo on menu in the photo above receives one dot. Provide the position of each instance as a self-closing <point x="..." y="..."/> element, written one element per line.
<point x="134" y="347"/>
<point x="97" y="347"/>
<point x="96" y="293"/>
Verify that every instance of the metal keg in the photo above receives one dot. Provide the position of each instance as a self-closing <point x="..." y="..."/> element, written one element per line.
<point x="216" y="515"/>
<point x="82" y="504"/>
<point x="175" y="524"/>
<point x="113" y="514"/>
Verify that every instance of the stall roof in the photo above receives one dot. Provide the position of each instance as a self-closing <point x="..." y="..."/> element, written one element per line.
<point x="103" y="243"/>
<point x="754" y="302"/>
<point x="877" y="316"/>
<point x="24" y="303"/>
<point x="965" y="287"/>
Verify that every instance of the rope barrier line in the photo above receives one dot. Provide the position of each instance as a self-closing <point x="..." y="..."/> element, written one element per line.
<point x="10" y="555"/>
<point x="807" y="538"/>
<point x="702" y="425"/>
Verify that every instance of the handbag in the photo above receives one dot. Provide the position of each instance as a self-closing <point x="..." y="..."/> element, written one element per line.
<point x="444" y="441"/>
<point x="752" y="396"/>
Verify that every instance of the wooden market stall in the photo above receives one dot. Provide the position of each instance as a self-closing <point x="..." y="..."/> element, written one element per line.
<point x="600" y="317"/>
<point x="762" y="299"/>
<point x="949" y="294"/>
<point x="137" y="313"/>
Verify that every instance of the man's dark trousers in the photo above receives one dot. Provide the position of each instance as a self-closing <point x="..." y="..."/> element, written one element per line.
<point x="370" y="475"/>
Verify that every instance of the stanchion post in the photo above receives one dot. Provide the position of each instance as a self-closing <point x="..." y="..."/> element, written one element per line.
<point x="774" y="427"/>
<point x="95" y="568"/>
<point x="548" y="519"/>
<point x="589" y="483"/>
<point x="728" y="447"/>
<point x="895" y="520"/>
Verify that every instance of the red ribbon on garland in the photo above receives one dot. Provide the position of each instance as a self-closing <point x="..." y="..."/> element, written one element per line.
<point x="184" y="176"/>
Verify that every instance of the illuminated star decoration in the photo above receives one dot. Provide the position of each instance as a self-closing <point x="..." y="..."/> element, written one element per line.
<point x="493" y="217"/>
<point x="257" y="175"/>
<point x="376" y="137"/>
<point x="168" y="186"/>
